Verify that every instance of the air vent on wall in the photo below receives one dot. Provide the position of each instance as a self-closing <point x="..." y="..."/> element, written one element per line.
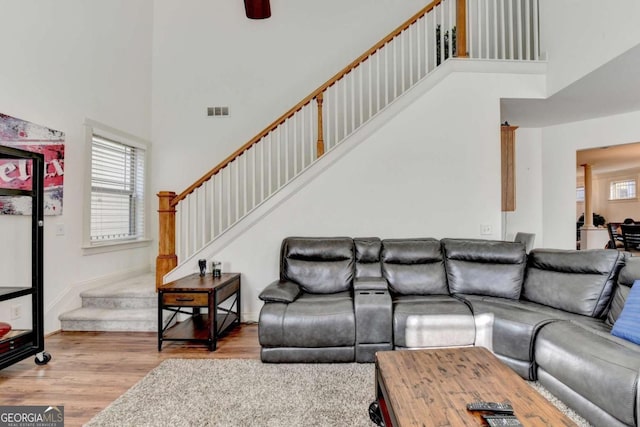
<point x="218" y="111"/>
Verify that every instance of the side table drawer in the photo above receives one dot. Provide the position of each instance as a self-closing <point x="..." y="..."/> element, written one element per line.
<point x="200" y="299"/>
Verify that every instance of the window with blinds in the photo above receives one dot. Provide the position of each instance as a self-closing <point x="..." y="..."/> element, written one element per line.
<point x="622" y="190"/>
<point x="117" y="191"/>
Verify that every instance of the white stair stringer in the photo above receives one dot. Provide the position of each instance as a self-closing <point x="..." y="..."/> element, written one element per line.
<point x="189" y="265"/>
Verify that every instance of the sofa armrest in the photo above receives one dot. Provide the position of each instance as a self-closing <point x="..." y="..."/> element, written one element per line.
<point x="280" y="291"/>
<point x="370" y="284"/>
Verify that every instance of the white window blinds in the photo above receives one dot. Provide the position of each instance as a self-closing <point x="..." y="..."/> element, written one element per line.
<point x="117" y="191"/>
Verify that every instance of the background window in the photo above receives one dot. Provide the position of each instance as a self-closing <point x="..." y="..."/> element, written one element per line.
<point x="117" y="191"/>
<point x="621" y="190"/>
<point x="580" y="194"/>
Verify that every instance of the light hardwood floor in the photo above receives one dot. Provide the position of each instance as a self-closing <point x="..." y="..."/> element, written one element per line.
<point x="89" y="370"/>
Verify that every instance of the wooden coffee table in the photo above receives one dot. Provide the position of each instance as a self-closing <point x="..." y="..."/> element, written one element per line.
<point x="433" y="387"/>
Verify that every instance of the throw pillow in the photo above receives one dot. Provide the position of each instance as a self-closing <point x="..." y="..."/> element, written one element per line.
<point x="628" y="324"/>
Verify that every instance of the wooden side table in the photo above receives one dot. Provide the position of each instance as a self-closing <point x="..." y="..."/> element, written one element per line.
<point x="187" y="296"/>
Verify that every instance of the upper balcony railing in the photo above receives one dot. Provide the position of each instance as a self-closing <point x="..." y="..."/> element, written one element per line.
<point x="479" y="29"/>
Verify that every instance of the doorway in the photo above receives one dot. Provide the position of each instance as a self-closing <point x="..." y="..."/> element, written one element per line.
<point x="615" y="173"/>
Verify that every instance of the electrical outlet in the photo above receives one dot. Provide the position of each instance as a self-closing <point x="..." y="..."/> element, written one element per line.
<point x="59" y="229"/>
<point x="16" y="311"/>
<point x="485" y="229"/>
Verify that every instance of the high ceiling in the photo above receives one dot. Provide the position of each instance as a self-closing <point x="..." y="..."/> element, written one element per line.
<point x="614" y="88"/>
<point x="610" y="159"/>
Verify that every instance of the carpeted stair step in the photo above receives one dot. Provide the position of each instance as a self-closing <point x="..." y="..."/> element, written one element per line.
<point x="126" y="305"/>
<point x="121" y="295"/>
<point x="109" y="319"/>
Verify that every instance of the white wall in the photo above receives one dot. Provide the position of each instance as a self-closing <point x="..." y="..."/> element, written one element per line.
<point x="579" y="36"/>
<point x="615" y="210"/>
<point x="528" y="214"/>
<point x="151" y="67"/>
<point x="62" y="62"/>
<point x="432" y="171"/>
<point x="559" y="145"/>
<point x="207" y="53"/>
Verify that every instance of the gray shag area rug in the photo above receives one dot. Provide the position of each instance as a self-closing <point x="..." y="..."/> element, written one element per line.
<point x="235" y="392"/>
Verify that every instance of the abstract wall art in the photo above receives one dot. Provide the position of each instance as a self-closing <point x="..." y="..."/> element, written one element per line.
<point x="17" y="173"/>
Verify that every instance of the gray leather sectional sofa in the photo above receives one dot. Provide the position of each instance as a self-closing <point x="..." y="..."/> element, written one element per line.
<point x="547" y="314"/>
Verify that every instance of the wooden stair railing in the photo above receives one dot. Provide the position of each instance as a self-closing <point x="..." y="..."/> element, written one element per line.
<point x="318" y="93"/>
<point x="345" y="102"/>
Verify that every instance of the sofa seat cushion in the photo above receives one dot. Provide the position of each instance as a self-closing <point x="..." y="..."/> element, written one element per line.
<point x="594" y="364"/>
<point x="432" y="321"/>
<point x="549" y="312"/>
<point x="514" y="326"/>
<point x="310" y="321"/>
<point x="516" y="323"/>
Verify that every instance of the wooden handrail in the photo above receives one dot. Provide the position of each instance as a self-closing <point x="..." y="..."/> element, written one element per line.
<point x="167" y="258"/>
<point x="461" y="41"/>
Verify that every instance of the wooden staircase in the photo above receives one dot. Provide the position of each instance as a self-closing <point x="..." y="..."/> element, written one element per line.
<point x="504" y="30"/>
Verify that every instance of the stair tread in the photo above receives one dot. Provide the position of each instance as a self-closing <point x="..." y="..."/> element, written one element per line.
<point x="142" y="286"/>
<point x="112" y="314"/>
<point x="128" y="305"/>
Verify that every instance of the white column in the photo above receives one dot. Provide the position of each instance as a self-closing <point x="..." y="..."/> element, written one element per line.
<point x="590" y="236"/>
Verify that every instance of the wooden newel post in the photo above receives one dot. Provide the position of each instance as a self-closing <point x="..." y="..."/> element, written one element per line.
<point x="508" y="166"/>
<point x="320" y="144"/>
<point x="167" y="259"/>
<point x="461" y="29"/>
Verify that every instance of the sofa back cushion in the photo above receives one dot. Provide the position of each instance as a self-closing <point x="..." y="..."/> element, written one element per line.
<point x="320" y="265"/>
<point x="414" y="266"/>
<point x="368" y="257"/>
<point x="485" y="267"/>
<point x="628" y="274"/>
<point x="579" y="282"/>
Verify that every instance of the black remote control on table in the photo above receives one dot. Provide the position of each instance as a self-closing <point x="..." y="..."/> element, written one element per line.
<point x="502" y="420"/>
<point x="498" y="408"/>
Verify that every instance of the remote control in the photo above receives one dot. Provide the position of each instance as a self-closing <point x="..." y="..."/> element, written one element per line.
<point x="498" y="408"/>
<point x="502" y="420"/>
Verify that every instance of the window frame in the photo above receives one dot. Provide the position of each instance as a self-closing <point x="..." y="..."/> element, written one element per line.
<point x="109" y="133"/>
<point x="615" y="181"/>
